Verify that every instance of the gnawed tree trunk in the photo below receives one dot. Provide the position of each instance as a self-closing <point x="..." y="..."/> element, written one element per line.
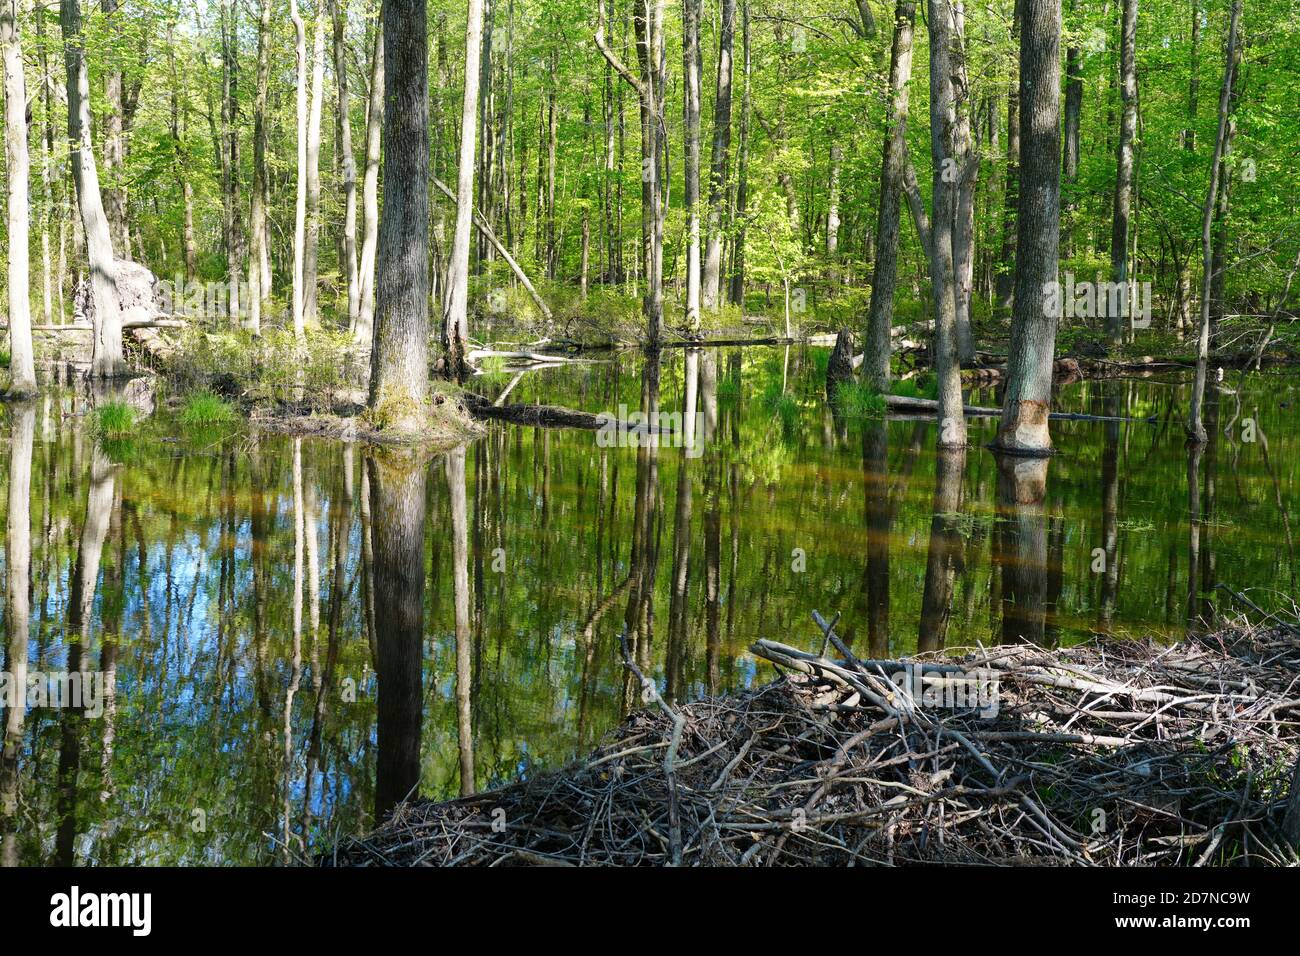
<point x="22" y="364"/>
<point x="880" y="318"/>
<point x="455" y="323"/>
<point x="399" y="355"/>
<point x="107" y="360"/>
<point x="1195" y="427"/>
<point x="1027" y="400"/>
<point x="370" y="195"/>
<point x="712" y="276"/>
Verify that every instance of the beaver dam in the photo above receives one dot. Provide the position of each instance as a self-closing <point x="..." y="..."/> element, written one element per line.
<point x="1109" y="752"/>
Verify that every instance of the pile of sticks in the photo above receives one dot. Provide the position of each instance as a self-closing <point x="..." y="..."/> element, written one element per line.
<point x="1109" y="752"/>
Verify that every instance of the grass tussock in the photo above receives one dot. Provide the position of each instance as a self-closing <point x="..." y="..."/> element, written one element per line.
<point x="114" y="420"/>
<point x="206" y="410"/>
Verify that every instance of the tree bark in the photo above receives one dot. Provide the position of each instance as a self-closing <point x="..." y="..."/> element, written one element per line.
<point x="719" y="159"/>
<point x="259" y="293"/>
<point x="107" y="360"/>
<point x="880" y="317"/>
<point x="370" y="195"/>
<point x="1006" y="282"/>
<point x="300" y="202"/>
<point x="311" y="251"/>
<point x="951" y="421"/>
<point x="736" y="289"/>
<point x="22" y="364"/>
<point x="1027" y="400"/>
<point x="347" y="160"/>
<point x="455" y="330"/>
<point x="399" y="356"/>
<point x="691" y="70"/>
<point x="1119" y="264"/>
<point x="1195" y="427"/>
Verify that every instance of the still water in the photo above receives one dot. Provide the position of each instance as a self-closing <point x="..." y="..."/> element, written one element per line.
<point x="233" y="596"/>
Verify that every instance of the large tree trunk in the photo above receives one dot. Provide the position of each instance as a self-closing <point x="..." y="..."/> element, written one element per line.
<point x="22" y="365"/>
<point x="880" y="318"/>
<point x="691" y="70"/>
<point x="399" y="356"/>
<point x="712" y="277"/>
<point x="455" y="328"/>
<point x="1195" y="427"/>
<point x="259" y="293"/>
<point x="1027" y="400"/>
<point x="951" y="420"/>
<point x="300" y="201"/>
<point x="107" y="360"/>
<point x="370" y="195"/>
<point x="1119" y="264"/>
<point x="311" y="251"/>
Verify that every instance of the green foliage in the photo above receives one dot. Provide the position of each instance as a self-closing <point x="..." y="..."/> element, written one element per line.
<point x="922" y="386"/>
<point x="206" y="409"/>
<point x="859" y="400"/>
<point x="114" y="420"/>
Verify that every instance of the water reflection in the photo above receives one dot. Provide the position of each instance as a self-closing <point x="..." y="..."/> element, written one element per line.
<point x="296" y="634"/>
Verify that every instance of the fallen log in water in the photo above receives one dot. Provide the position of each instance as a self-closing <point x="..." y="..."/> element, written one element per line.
<point x="1106" y="753"/>
<point x="553" y="416"/>
<point x="907" y="404"/>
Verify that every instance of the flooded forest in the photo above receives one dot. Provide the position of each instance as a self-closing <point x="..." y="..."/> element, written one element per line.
<point x="719" y="432"/>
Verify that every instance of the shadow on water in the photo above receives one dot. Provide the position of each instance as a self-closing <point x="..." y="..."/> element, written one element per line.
<point x="282" y="638"/>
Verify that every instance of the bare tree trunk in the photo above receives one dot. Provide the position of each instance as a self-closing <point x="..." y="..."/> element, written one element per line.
<point x="230" y="117"/>
<point x="399" y="356"/>
<point x="348" y="161"/>
<point x="712" y="276"/>
<point x="47" y="174"/>
<point x="967" y="170"/>
<point x="1073" y="111"/>
<point x="370" y="194"/>
<point x="1195" y="427"/>
<point x="951" y="420"/>
<point x="300" y="204"/>
<point x="1027" y="401"/>
<point x="1115" y="323"/>
<point x="22" y="364"/>
<point x="455" y="328"/>
<point x="107" y="360"/>
<point x="691" y="69"/>
<point x="736" y="290"/>
<point x="311" y="252"/>
<point x="875" y="367"/>
<point x="114" y="148"/>
<point x="260" y="235"/>
<point x="1006" y="282"/>
<point x="650" y="88"/>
